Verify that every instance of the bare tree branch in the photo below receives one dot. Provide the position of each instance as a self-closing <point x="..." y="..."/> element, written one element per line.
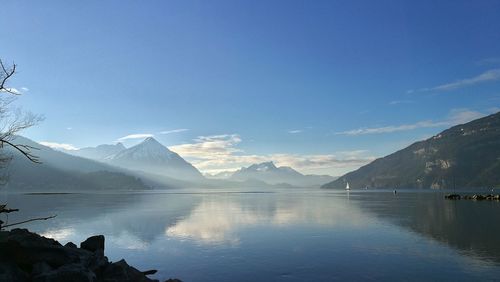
<point x="29" y="220"/>
<point x="23" y="149"/>
<point x="13" y="120"/>
<point x="7" y="73"/>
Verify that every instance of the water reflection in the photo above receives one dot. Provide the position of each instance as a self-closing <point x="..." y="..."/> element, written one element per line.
<point x="218" y="218"/>
<point x="469" y="226"/>
<point x="132" y="219"/>
<point x="285" y="235"/>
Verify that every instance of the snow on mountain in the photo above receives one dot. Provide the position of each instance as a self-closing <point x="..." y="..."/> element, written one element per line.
<point x="220" y="175"/>
<point x="152" y="157"/>
<point x="269" y="173"/>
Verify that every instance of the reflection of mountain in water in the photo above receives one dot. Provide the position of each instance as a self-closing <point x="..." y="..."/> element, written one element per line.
<point x="205" y="218"/>
<point x="138" y="220"/>
<point x="142" y="217"/>
<point x="218" y="219"/>
<point x="468" y="226"/>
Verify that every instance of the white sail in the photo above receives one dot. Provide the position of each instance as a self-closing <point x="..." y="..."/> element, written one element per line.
<point x="347" y="186"/>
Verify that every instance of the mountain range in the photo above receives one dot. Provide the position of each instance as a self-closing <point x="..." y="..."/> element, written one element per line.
<point x="100" y="153"/>
<point x="148" y="157"/>
<point x="464" y="156"/>
<point x="146" y="165"/>
<point x="63" y="172"/>
<point x="268" y="172"/>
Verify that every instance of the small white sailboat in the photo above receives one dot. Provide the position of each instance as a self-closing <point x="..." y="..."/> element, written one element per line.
<point x="347" y="186"/>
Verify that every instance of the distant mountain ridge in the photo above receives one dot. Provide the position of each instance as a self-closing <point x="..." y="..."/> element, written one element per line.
<point x="62" y="172"/>
<point x="464" y="156"/>
<point x="269" y="173"/>
<point x="99" y="153"/>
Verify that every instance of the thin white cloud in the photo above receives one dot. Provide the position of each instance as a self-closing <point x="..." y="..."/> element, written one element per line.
<point x="25" y="89"/>
<point x="484" y="77"/>
<point x="295" y="131"/>
<point x="487" y="76"/>
<point x="209" y="146"/>
<point x="460" y="116"/>
<point x="59" y="146"/>
<point x="391" y="128"/>
<point x="398" y="102"/>
<point x="213" y="154"/>
<point x="489" y="61"/>
<point x="135" y="136"/>
<point x="174" y="131"/>
<point x="456" y="116"/>
<point x="69" y="128"/>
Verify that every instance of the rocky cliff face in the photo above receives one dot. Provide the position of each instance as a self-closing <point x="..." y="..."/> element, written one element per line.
<point x="464" y="156"/>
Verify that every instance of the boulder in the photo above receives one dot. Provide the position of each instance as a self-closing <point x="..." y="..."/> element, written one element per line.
<point x="26" y="249"/>
<point x="9" y="271"/>
<point x="68" y="272"/>
<point x="150" y="272"/>
<point x="26" y="256"/>
<point x="40" y="267"/>
<point x="71" y="245"/>
<point x="452" y="197"/>
<point x="121" y="272"/>
<point x="97" y="262"/>
<point x="93" y="243"/>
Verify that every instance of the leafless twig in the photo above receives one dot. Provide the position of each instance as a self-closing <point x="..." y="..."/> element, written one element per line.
<point x="29" y="220"/>
<point x="7" y="73"/>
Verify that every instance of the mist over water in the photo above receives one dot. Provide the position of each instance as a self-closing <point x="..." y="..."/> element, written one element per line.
<point x="280" y="235"/>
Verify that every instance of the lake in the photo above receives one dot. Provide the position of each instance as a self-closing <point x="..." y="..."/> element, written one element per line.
<point x="282" y="235"/>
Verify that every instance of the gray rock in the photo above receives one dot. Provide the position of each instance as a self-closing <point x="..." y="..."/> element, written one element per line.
<point x="40" y="267"/>
<point x="97" y="261"/>
<point x="71" y="245"/>
<point x="121" y="272"/>
<point x="68" y="272"/>
<point x="26" y="248"/>
<point x="93" y="243"/>
<point x="452" y="197"/>
<point x="26" y="256"/>
<point x="149" y="272"/>
<point x="11" y="272"/>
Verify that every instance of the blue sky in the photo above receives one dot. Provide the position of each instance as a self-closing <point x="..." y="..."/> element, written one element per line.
<point x="323" y="86"/>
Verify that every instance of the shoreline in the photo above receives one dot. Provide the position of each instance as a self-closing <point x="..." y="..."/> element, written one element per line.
<point x="28" y="256"/>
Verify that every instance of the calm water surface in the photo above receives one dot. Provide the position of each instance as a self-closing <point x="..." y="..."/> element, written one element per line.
<point x="294" y="235"/>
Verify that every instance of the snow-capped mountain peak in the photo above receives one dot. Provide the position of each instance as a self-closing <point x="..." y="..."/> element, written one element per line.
<point x="269" y="173"/>
<point x="147" y="149"/>
<point x="266" y="166"/>
<point x="153" y="157"/>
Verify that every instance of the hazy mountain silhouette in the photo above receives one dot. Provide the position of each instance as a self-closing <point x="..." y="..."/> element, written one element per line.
<point x="98" y="153"/>
<point x="269" y="173"/>
<point x="63" y="172"/>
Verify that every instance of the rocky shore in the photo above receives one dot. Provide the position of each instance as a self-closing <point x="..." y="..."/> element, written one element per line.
<point x="476" y="197"/>
<point x="27" y="256"/>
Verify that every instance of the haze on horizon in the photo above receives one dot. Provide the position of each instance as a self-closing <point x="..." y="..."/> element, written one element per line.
<point x="324" y="87"/>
